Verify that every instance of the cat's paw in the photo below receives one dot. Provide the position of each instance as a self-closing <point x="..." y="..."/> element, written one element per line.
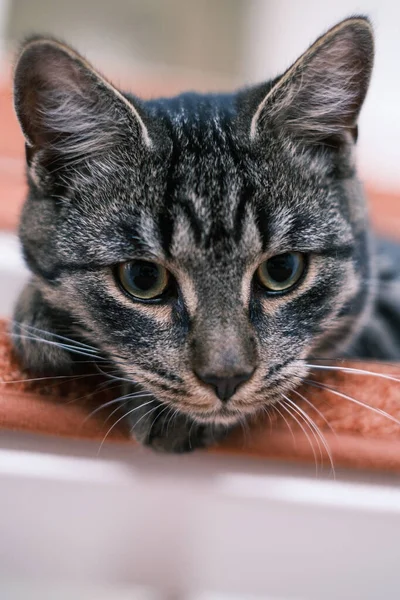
<point x="177" y="434"/>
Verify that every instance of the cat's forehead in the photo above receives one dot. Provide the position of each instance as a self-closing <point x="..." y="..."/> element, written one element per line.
<point x="212" y="200"/>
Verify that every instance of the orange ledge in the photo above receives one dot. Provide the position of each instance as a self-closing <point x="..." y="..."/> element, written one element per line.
<point x="356" y="436"/>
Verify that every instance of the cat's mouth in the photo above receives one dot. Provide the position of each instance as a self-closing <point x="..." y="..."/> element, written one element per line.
<point x="217" y="412"/>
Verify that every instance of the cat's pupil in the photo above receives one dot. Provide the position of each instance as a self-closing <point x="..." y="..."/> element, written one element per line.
<point x="282" y="267"/>
<point x="143" y="275"/>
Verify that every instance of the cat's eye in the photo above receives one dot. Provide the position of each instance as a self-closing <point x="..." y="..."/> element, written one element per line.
<point x="281" y="272"/>
<point x="142" y="279"/>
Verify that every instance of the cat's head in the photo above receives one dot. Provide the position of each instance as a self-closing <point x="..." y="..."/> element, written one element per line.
<point x="209" y="245"/>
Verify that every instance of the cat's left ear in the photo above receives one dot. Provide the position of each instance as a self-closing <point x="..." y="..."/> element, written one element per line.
<point x="318" y="99"/>
<point x="68" y="111"/>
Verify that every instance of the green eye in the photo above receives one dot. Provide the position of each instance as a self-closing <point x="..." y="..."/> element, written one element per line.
<point x="281" y="272"/>
<point x="143" y="279"/>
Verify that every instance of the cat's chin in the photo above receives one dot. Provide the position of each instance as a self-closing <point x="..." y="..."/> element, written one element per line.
<point x="223" y="416"/>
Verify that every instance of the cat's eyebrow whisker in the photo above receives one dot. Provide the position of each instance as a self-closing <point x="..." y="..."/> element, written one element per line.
<point x="354" y="370"/>
<point x="66" y="347"/>
<point x="32" y="329"/>
<point x="287" y="409"/>
<point x="317" y="431"/>
<point x="120" y="419"/>
<point x="332" y="390"/>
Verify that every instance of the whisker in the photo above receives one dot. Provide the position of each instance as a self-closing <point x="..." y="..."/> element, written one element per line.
<point x="190" y="433"/>
<point x="139" y="395"/>
<point x="117" y="378"/>
<point x="174" y="414"/>
<point x="51" y="377"/>
<point x="283" y="405"/>
<point x="355" y="371"/>
<point x="266" y="410"/>
<point x="119" y="420"/>
<point x="120" y="399"/>
<point x="171" y="408"/>
<point x="378" y="411"/>
<point x="67" y="347"/>
<point x="92" y="392"/>
<point x="56" y="335"/>
<point x="308" y="422"/>
<point x="158" y="416"/>
<point x="287" y="423"/>
<point x="317" y="431"/>
<point x="96" y="410"/>
<point x="316" y="410"/>
<point x="143" y="416"/>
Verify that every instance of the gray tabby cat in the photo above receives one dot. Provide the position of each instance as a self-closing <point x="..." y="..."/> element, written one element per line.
<point x="207" y="247"/>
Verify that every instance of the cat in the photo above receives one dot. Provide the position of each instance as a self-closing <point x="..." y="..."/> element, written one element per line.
<point x="207" y="247"/>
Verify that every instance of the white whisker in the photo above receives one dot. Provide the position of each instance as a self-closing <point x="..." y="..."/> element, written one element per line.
<point x="316" y="410"/>
<point x="302" y="415"/>
<point x="119" y="420"/>
<point x="374" y="409"/>
<point x="354" y="370"/>
<point x="283" y="405"/>
<point x="159" y="415"/>
<point x="66" y="347"/>
<point x="143" y="416"/>
<point x="317" y="432"/>
<point x="33" y="329"/>
<point x="115" y="377"/>
<point x="51" y="377"/>
<point x="175" y="413"/>
<point x="127" y="397"/>
<point x="287" y="423"/>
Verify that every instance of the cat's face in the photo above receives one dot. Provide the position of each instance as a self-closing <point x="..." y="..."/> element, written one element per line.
<point x="208" y="244"/>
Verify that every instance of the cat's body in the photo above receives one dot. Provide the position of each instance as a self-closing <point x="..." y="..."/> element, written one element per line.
<point x="380" y="336"/>
<point x="207" y="247"/>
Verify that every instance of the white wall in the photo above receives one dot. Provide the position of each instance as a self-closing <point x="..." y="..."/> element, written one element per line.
<point x="278" y="31"/>
<point x="4" y="6"/>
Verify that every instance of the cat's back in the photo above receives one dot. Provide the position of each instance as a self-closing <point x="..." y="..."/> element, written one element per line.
<point x="380" y="338"/>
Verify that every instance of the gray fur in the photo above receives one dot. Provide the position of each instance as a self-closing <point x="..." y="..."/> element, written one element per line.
<point x="208" y="186"/>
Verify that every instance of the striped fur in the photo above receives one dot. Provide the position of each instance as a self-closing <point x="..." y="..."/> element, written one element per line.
<point x="208" y="186"/>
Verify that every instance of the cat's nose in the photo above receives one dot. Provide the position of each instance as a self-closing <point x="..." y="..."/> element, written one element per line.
<point x="225" y="387"/>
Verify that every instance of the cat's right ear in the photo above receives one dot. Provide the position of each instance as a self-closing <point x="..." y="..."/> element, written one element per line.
<point x="318" y="99"/>
<point x="67" y="111"/>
